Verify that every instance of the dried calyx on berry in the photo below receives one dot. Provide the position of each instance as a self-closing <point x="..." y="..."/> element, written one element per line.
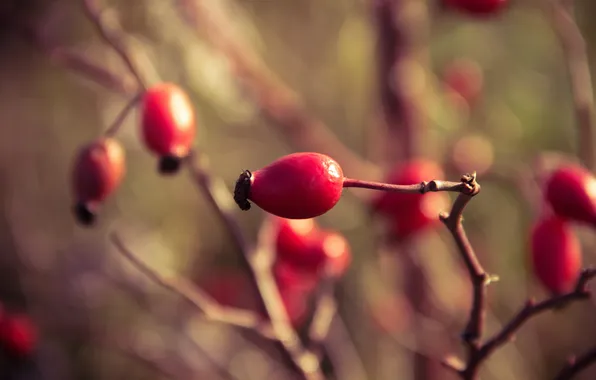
<point x="242" y="190"/>
<point x="296" y="186"/>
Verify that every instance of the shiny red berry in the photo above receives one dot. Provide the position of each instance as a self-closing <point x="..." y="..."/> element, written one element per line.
<point x="409" y="214"/>
<point x="168" y="124"/>
<point x="98" y="170"/>
<point x="571" y="191"/>
<point x="556" y="254"/>
<point x="18" y="335"/>
<point x="477" y="7"/>
<point x="296" y="186"/>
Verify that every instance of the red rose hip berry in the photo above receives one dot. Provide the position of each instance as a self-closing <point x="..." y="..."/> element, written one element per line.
<point x="296" y="186"/>
<point x="556" y="254"/>
<point x="98" y="170"/>
<point x="18" y="335"/>
<point x="477" y="7"/>
<point x="168" y="124"/>
<point x="571" y="192"/>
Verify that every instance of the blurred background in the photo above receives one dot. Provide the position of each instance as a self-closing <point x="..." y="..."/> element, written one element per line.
<point x="97" y="317"/>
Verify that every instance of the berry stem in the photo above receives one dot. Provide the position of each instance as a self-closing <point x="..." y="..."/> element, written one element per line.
<point x="421" y="188"/>
<point x="121" y="117"/>
<point x="210" y="309"/>
<point x="112" y="37"/>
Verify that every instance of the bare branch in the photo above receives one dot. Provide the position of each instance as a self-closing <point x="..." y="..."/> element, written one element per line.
<point x="81" y="64"/>
<point x="121" y="117"/>
<point x="576" y="365"/>
<point x="325" y="311"/>
<point x="421" y="188"/>
<point x="531" y="309"/>
<point x="257" y="260"/>
<point x="580" y="80"/>
<point x="209" y="307"/>
<point x="112" y="37"/>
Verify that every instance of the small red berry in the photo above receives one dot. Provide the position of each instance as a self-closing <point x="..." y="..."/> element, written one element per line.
<point x="571" y="191"/>
<point x="556" y="254"/>
<point x="412" y="213"/>
<point x="336" y="250"/>
<point x="296" y="186"/>
<point x="464" y="78"/>
<point x="98" y="170"/>
<point x="303" y="251"/>
<point x="18" y="335"/>
<point x="290" y="276"/>
<point x="295" y="301"/>
<point x="168" y="124"/>
<point x="477" y="7"/>
<point x="293" y="241"/>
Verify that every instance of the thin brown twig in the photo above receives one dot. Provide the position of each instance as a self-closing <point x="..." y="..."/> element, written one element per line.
<point x="481" y="353"/>
<point x="479" y="277"/>
<point x="112" y="37"/>
<point x="79" y="63"/>
<point x="279" y="104"/>
<point x="122" y="115"/>
<point x="257" y="260"/>
<point x="202" y="301"/>
<point x="576" y="365"/>
<point x="580" y="80"/>
<point x="531" y="309"/>
<point x="421" y="188"/>
<point x="325" y="312"/>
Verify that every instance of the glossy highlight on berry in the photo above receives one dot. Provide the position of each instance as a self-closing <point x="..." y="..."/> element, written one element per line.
<point x="296" y="186"/>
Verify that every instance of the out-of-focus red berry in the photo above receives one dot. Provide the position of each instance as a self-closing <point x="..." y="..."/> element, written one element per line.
<point x="303" y="249"/>
<point x="336" y="250"/>
<point x="408" y="214"/>
<point x="477" y="7"/>
<point x="464" y="78"/>
<point x="556" y="254"/>
<point x="293" y="239"/>
<point x="288" y="275"/>
<point x="296" y="186"/>
<point x="571" y="191"/>
<point x="296" y="304"/>
<point x="98" y="170"/>
<point x="18" y="335"/>
<point x="168" y="124"/>
<point x="230" y="288"/>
